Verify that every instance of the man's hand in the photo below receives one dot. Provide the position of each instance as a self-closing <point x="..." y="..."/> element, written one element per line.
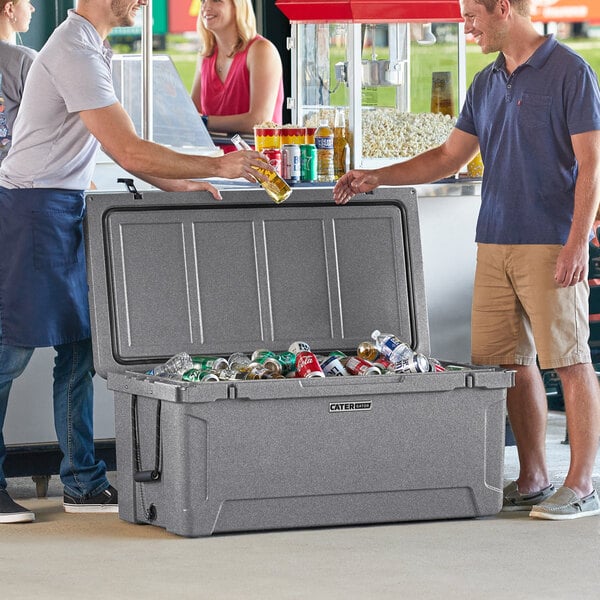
<point x="352" y="183"/>
<point x="243" y="163"/>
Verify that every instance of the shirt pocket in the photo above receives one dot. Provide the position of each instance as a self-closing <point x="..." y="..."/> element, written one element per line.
<point x="534" y="110"/>
<point x="57" y="238"/>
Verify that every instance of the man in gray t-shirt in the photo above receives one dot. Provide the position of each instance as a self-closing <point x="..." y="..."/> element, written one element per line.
<point x="69" y="108"/>
<point x="15" y="62"/>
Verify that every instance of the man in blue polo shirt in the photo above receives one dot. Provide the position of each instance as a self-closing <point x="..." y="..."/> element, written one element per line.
<point x="535" y="115"/>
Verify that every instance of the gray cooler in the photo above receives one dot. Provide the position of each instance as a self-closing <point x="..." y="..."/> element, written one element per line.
<point x="181" y="272"/>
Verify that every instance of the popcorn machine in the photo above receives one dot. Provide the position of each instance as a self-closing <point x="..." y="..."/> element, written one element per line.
<point x="397" y="67"/>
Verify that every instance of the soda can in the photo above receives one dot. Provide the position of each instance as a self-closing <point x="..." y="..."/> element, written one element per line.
<point x="307" y="365"/>
<point x="435" y="365"/>
<point x="210" y="363"/>
<point x="230" y="375"/>
<point x="199" y="375"/>
<point x="257" y="371"/>
<point x="299" y="347"/>
<point x="258" y="354"/>
<point x="359" y="366"/>
<point x="308" y="162"/>
<point x="270" y="363"/>
<point x="338" y="353"/>
<point x="332" y="366"/>
<point x="287" y="360"/>
<point x="273" y="155"/>
<point x="384" y="364"/>
<point x="290" y="162"/>
<point x="417" y="363"/>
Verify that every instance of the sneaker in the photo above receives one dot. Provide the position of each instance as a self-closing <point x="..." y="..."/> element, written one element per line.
<point x="514" y="500"/>
<point x="566" y="504"/>
<point x="106" y="501"/>
<point x="11" y="512"/>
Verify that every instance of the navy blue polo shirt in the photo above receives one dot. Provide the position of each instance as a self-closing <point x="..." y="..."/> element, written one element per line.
<point x="524" y="123"/>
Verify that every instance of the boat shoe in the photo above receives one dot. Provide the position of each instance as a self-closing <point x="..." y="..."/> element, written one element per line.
<point x="513" y="500"/>
<point x="566" y="504"/>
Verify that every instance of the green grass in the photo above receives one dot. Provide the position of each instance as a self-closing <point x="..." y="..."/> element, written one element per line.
<point x="425" y="60"/>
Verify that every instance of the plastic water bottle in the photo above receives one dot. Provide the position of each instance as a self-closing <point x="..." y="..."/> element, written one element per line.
<point x="391" y="347"/>
<point x="324" y="144"/>
<point x="175" y="366"/>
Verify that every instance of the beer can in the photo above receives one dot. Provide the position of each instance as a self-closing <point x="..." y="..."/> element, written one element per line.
<point x="273" y="155"/>
<point x="299" y="346"/>
<point x="417" y="363"/>
<point x="307" y="365"/>
<point x="210" y="363"/>
<point x="359" y="366"/>
<point x="308" y="162"/>
<point x="270" y="363"/>
<point x="332" y="366"/>
<point x="290" y="162"/>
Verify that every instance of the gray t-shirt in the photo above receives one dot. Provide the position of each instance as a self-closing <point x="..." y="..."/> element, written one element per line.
<point x="52" y="148"/>
<point x="15" y="62"/>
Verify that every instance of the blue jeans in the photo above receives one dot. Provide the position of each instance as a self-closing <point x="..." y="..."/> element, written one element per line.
<point x="73" y="394"/>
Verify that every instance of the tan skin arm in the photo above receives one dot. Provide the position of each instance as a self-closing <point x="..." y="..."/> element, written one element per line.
<point x="159" y="165"/>
<point x="440" y="162"/>
<point x="264" y="66"/>
<point x="572" y="264"/>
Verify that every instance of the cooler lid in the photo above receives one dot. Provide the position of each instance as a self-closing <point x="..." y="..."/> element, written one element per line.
<point x="174" y="272"/>
<point x="370" y="11"/>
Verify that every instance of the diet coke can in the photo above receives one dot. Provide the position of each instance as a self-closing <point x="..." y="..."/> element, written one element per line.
<point x="290" y="162"/>
<point x="307" y="365"/>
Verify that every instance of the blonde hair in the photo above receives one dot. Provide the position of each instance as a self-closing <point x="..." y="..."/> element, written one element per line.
<point x="245" y="21"/>
<point x="3" y="3"/>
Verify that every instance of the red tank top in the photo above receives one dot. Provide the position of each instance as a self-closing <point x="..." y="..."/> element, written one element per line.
<point x="233" y="96"/>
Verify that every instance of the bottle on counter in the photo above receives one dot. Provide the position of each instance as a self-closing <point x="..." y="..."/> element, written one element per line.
<point x="324" y="144"/>
<point x="341" y="147"/>
<point x="275" y="186"/>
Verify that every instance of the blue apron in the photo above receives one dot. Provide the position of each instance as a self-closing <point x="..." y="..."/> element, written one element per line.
<point x="43" y="284"/>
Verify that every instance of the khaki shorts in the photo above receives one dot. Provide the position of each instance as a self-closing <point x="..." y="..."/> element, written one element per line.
<point x="520" y="312"/>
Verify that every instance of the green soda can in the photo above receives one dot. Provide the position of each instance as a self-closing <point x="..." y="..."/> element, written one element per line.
<point x="338" y="354"/>
<point x="287" y="361"/>
<point x="308" y="162"/>
<point x="199" y="375"/>
<point x="210" y="363"/>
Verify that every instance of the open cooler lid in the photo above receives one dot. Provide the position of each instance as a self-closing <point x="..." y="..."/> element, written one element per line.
<point x="370" y="11"/>
<point x="180" y="272"/>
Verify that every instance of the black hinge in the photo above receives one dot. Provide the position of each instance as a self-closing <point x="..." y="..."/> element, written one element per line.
<point x="130" y="187"/>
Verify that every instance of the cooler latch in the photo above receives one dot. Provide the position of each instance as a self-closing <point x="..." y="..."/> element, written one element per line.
<point x="130" y="187"/>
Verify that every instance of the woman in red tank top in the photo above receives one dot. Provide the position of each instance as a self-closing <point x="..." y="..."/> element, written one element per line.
<point x="238" y="81"/>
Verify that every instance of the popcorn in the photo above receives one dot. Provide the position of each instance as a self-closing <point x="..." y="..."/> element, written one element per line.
<point x="390" y="133"/>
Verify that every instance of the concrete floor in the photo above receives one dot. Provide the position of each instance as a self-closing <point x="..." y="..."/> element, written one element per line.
<point x="505" y="556"/>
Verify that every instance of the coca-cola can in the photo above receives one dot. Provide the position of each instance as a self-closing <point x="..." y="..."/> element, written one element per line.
<point x="417" y="363"/>
<point x="307" y="365"/>
<point x="273" y="155"/>
<point x="290" y="162"/>
<point x="298" y="346"/>
<point x="333" y="366"/>
<point x="360" y="366"/>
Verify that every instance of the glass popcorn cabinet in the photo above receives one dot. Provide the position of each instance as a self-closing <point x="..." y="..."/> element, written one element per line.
<point x="396" y="67"/>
